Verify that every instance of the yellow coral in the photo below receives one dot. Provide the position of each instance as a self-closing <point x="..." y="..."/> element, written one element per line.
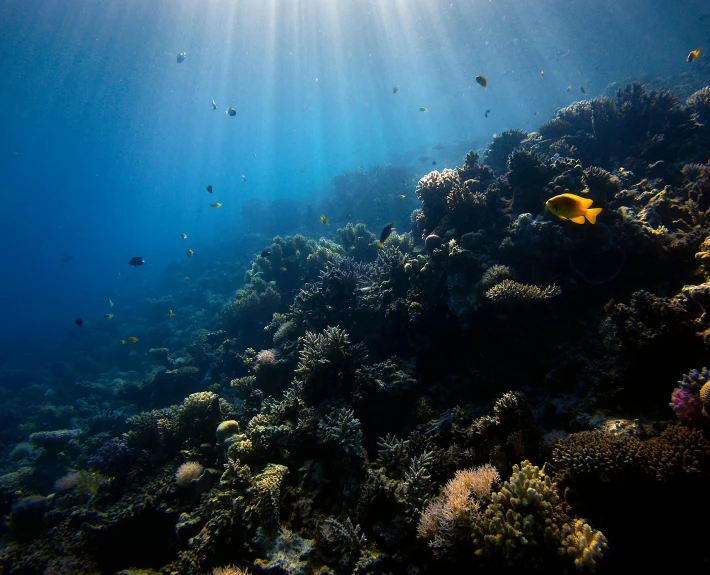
<point x="583" y="543"/>
<point x="266" y="493"/>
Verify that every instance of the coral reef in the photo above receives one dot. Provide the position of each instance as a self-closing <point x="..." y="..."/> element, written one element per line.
<point x="352" y="409"/>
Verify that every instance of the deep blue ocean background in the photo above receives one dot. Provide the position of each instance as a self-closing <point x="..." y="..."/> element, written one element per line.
<point x="107" y="143"/>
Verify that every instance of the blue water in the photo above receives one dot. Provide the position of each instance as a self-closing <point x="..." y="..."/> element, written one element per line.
<point x="107" y="143"/>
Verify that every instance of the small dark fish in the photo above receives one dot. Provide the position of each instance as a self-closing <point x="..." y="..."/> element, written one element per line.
<point x="487" y="112"/>
<point x="482" y="81"/>
<point x="387" y="230"/>
<point x="231" y="111"/>
<point x="80" y="322"/>
<point x="265" y="253"/>
<point x="433" y="163"/>
<point x="136" y="261"/>
<point x="403" y="182"/>
<point x="423" y="159"/>
<point x="244" y="178"/>
<point x="395" y="89"/>
<point x="209" y="188"/>
<point x="181" y="57"/>
<point x="423" y="109"/>
<point x="583" y="90"/>
<point x="109" y="412"/>
<point x="438" y="147"/>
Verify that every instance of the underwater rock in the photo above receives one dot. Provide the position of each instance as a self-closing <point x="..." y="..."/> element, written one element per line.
<point x="472" y="240"/>
<point x="160" y="356"/>
<point x="226" y="429"/>
<point x="432" y="241"/>
<point x="284" y="553"/>
<point x="28" y="516"/>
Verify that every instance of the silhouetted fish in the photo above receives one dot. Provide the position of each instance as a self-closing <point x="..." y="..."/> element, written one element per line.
<point x="136" y="261"/>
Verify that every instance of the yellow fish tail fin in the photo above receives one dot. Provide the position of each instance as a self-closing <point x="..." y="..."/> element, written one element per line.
<point x="592" y="215"/>
<point x="123" y="342"/>
<point x="578" y="219"/>
<point x="380" y="244"/>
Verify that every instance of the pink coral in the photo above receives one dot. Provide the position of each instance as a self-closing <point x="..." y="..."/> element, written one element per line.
<point x="265" y="358"/>
<point x="67" y="482"/>
<point x="687" y="405"/>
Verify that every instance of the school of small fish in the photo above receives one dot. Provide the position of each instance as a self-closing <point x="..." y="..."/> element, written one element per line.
<point x="566" y="206"/>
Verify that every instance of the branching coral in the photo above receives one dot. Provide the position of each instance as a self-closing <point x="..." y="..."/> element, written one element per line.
<point x="494" y="275"/>
<point x="510" y="292"/>
<point x="391" y="454"/>
<point x="417" y="486"/>
<point x="342" y="428"/>
<point x="699" y="106"/>
<point x="266" y="495"/>
<point x="677" y="451"/>
<point x="498" y="150"/>
<point x="359" y="243"/>
<point x="341" y="544"/>
<point x="327" y="362"/>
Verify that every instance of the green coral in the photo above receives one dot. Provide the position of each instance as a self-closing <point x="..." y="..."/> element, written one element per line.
<point x="359" y="243"/>
<point x="525" y="524"/>
<point x="266" y="495"/>
<point x="274" y="276"/>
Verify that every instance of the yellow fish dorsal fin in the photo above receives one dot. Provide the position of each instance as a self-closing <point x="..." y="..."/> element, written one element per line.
<point x="577" y="219"/>
<point x="584" y="202"/>
<point x="592" y="215"/>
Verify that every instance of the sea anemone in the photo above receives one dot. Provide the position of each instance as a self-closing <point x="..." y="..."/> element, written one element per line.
<point x="187" y="472"/>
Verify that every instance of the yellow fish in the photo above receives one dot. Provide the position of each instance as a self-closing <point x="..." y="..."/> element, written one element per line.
<point x="108" y="315"/>
<point x="215" y="205"/>
<point x="131" y="339"/>
<point x="283" y="269"/>
<point x="573" y="208"/>
<point x="694" y="54"/>
<point x="542" y="74"/>
<point x="170" y="314"/>
<point x="189" y="253"/>
<point x="324" y="220"/>
<point x="183" y="236"/>
<point x="401" y="196"/>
